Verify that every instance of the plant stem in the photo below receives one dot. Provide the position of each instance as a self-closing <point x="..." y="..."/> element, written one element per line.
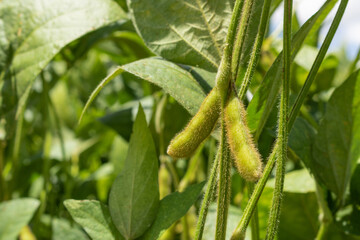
<point x="223" y="76"/>
<point x="283" y="132"/>
<point x="209" y="193"/>
<point x="2" y="178"/>
<point x="354" y="63"/>
<point x="254" y="58"/>
<point x="241" y="33"/>
<point x="319" y="58"/>
<point x="326" y="216"/>
<point x="224" y="191"/>
<point x="255" y="235"/>
<point x="241" y="228"/>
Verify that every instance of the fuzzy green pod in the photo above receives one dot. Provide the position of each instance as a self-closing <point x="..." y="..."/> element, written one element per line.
<point x="246" y="156"/>
<point x="198" y="129"/>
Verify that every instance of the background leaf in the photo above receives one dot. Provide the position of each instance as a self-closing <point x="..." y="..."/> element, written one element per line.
<point x="35" y="31"/>
<point x="94" y="217"/>
<point x="14" y="215"/>
<point x="62" y="229"/>
<point x="189" y="32"/>
<point x="171" y="209"/>
<point x="134" y="196"/>
<point x="337" y="144"/>
<point x="233" y="217"/>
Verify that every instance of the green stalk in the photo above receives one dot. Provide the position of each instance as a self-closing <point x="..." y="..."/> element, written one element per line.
<point x="241" y="33"/>
<point x="254" y="58"/>
<point x="209" y="193"/>
<point x="255" y="54"/>
<point x="354" y="63"/>
<point x="224" y="72"/>
<point x="249" y="209"/>
<point x="224" y="191"/>
<point x="255" y="234"/>
<point x="16" y="149"/>
<point x="2" y="178"/>
<point x="319" y="58"/>
<point x="222" y="83"/>
<point x="274" y="218"/>
<point x="326" y="216"/>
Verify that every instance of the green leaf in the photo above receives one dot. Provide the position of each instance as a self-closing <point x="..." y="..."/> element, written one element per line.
<point x="34" y="31"/>
<point x="122" y="120"/>
<point x="14" y="215"/>
<point x="188" y="32"/>
<point x="355" y="185"/>
<point x="94" y="217"/>
<point x="265" y="98"/>
<point x="299" y="181"/>
<point x="234" y="215"/>
<point x="134" y="196"/>
<point x="301" y="140"/>
<point x="63" y="230"/>
<point x="337" y="144"/>
<point x="171" y="209"/>
<point x="336" y="231"/>
<point x="299" y="216"/>
<point x="179" y="83"/>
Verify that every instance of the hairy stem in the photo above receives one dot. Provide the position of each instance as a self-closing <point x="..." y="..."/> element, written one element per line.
<point x="241" y="33"/>
<point x="326" y="215"/>
<point x="224" y="192"/>
<point x="209" y="193"/>
<point x="255" y="234"/>
<point x="283" y="132"/>
<point x="241" y="228"/>
<point x="255" y="54"/>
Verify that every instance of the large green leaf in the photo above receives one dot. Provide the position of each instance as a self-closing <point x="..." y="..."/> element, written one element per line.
<point x="94" y="217"/>
<point x="184" y="31"/>
<point x="171" y="209"/>
<point x="33" y="31"/>
<point x="14" y="215"/>
<point x="179" y="83"/>
<point x="337" y="144"/>
<point x="265" y="98"/>
<point x="187" y="85"/>
<point x="62" y="229"/>
<point x="134" y="196"/>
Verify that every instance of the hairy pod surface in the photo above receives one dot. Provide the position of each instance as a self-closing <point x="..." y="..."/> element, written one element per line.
<point x="246" y="156"/>
<point x="198" y="129"/>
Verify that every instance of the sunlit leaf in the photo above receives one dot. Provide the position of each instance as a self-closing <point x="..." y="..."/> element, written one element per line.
<point x="14" y="215"/>
<point x="189" y="32"/>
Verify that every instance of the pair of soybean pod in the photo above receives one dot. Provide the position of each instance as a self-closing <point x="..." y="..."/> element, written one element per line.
<point x="245" y="154"/>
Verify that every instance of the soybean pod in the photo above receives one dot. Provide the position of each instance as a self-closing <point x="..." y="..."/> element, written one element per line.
<point x="246" y="156"/>
<point x="198" y="129"/>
